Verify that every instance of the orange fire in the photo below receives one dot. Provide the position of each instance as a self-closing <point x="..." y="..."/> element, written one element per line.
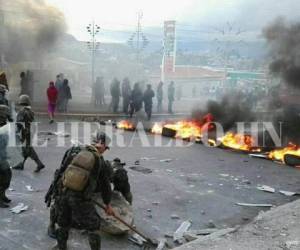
<point x="238" y="141"/>
<point x="279" y="154"/>
<point x="127" y="125"/>
<point x="184" y="129"/>
<point x="157" y="128"/>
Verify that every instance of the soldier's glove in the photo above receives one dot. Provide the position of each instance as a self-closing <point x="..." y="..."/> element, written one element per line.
<point x="109" y="210"/>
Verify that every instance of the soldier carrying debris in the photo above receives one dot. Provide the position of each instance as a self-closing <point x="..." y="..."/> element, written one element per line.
<point x="24" y="119"/>
<point x="83" y="172"/>
<point x="5" y="171"/>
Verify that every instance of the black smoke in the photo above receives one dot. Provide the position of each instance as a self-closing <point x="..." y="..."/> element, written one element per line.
<point x="229" y="110"/>
<point x="29" y="30"/>
<point x="284" y="42"/>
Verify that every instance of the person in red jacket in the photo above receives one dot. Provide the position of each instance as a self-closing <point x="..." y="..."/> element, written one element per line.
<point x="52" y="94"/>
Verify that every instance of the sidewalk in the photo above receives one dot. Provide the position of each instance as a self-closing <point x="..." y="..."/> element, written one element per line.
<point x="276" y="229"/>
<point x="87" y="110"/>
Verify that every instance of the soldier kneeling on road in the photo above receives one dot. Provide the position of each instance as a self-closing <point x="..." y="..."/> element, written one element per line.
<point x="83" y="172"/>
<point x="119" y="178"/>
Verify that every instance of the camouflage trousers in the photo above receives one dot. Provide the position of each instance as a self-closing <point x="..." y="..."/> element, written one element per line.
<point x="5" y="176"/>
<point x="29" y="152"/>
<point x="72" y="210"/>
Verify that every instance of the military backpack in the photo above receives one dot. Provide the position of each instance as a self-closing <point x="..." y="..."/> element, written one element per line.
<point x="77" y="175"/>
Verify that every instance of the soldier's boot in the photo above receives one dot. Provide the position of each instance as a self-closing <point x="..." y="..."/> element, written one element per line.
<point x="19" y="166"/>
<point x="51" y="228"/>
<point x="52" y="231"/>
<point x="128" y="197"/>
<point x="3" y="203"/>
<point x="37" y="160"/>
<point x="94" y="241"/>
<point x="5" y="199"/>
<point x="62" y="238"/>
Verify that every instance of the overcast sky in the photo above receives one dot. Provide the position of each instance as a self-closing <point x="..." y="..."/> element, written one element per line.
<point x="249" y="15"/>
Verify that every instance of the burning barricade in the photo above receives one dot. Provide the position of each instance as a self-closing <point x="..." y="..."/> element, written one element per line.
<point x="126" y="125"/>
<point x="184" y="129"/>
<point x="239" y="142"/>
<point x="181" y="129"/>
<point x="289" y="155"/>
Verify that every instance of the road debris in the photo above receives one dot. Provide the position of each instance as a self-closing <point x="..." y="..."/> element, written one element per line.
<point x="211" y="224"/>
<point x="204" y="231"/>
<point x="266" y="189"/>
<point x="288" y="193"/>
<point x="291" y="244"/>
<point x="162" y="244"/>
<point x="30" y="189"/>
<point x="61" y="134"/>
<point x="58" y="133"/>
<point x="175" y="217"/>
<point x="136" y="239"/>
<point x="224" y="175"/>
<point x="166" y="160"/>
<point x="141" y="169"/>
<point x="189" y="236"/>
<point x="19" y="208"/>
<point x="254" y="205"/>
<point x="183" y="228"/>
<point x="262" y="156"/>
<point x="148" y="158"/>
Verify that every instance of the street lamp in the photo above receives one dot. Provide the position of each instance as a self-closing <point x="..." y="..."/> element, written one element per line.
<point x="93" y="29"/>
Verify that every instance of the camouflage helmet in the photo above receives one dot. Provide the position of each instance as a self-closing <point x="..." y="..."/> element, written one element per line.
<point x="101" y="137"/>
<point x="24" y="100"/>
<point x="118" y="160"/>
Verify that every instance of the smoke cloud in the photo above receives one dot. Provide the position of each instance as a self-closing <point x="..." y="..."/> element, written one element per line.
<point x="30" y="29"/>
<point x="284" y="42"/>
<point x="230" y="109"/>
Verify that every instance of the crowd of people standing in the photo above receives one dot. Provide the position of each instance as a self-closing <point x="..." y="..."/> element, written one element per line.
<point x="125" y="97"/>
<point x="134" y="99"/>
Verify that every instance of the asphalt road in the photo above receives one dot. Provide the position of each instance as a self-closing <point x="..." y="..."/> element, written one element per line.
<point x="200" y="184"/>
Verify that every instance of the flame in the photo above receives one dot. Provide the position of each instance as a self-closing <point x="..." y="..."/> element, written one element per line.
<point x="157" y="128"/>
<point x="184" y="129"/>
<point x="127" y="125"/>
<point x="238" y="141"/>
<point x="279" y="154"/>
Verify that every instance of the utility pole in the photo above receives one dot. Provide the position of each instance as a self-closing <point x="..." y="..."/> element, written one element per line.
<point x="93" y="29"/>
<point x="139" y="33"/>
<point x="138" y="41"/>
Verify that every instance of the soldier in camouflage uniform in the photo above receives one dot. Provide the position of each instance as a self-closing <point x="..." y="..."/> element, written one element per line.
<point x="119" y="178"/>
<point x="73" y="200"/>
<point x="5" y="171"/>
<point x="24" y="119"/>
<point x="115" y="170"/>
